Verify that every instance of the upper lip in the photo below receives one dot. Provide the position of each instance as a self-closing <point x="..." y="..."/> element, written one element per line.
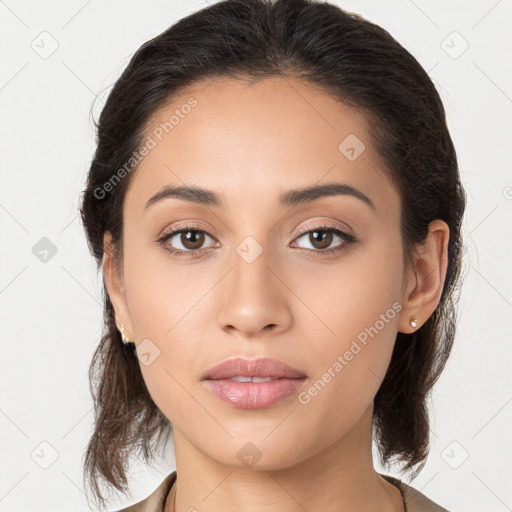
<point x="263" y="367"/>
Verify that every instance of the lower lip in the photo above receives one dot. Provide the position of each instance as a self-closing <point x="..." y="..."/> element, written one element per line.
<point x="253" y="395"/>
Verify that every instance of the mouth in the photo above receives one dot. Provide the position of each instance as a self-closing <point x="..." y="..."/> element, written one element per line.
<point x="242" y="378"/>
<point x="253" y="384"/>
<point x="249" y="368"/>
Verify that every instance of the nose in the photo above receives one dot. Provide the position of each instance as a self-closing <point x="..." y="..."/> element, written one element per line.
<point x="253" y="299"/>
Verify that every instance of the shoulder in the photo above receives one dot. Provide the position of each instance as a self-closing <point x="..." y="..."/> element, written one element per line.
<point x="156" y="500"/>
<point x="414" y="500"/>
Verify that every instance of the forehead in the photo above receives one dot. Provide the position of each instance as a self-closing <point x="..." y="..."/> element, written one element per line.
<point x="258" y="139"/>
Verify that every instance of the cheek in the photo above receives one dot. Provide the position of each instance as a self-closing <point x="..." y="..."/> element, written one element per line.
<point x="353" y="329"/>
<point x="167" y="308"/>
<point x="158" y="292"/>
<point x="344" y="299"/>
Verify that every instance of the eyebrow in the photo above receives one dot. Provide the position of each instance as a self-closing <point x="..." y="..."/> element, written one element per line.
<point x="292" y="197"/>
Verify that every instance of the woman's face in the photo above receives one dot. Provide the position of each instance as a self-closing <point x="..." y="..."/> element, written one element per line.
<point x="247" y="281"/>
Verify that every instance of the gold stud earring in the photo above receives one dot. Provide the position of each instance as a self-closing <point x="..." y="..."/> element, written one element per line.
<point x="123" y="336"/>
<point x="414" y="322"/>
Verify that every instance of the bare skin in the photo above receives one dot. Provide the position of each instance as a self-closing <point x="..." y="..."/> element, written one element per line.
<point x="250" y="144"/>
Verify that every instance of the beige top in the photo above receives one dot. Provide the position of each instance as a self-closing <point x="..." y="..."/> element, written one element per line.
<point x="414" y="500"/>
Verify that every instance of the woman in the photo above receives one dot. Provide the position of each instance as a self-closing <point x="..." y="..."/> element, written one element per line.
<point x="275" y="205"/>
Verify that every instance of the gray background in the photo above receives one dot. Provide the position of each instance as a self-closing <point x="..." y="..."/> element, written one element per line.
<point x="56" y="59"/>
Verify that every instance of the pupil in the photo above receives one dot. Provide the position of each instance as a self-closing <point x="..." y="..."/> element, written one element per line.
<point x="195" y="239"/>
<point x="322" y="237"/>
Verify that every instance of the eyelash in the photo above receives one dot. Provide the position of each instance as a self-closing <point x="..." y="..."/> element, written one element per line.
<point x="348" y="240"/>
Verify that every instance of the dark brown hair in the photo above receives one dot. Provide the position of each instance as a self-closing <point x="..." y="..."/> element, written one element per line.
<point x="358" y="63"/>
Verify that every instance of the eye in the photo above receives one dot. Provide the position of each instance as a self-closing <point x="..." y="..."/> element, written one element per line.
<point x="191" y="239"/>
<point x="322" y="237"/>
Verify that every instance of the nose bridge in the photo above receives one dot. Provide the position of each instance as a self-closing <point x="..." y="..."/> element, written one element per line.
<point x="251" y="275"/>
<point x="251" y="295"/>
<point x="250" y="246"/>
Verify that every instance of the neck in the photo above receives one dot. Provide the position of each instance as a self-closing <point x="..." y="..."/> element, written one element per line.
<point x="340" y="478"/>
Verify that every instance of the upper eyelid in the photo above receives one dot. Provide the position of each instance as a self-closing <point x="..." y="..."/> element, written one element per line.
<point x="306" y="229"/>
<point x="326" y="226"/>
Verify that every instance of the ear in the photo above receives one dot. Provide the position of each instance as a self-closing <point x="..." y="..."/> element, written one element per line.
<point x="115" y="286"/>
<point x="426" y="280"/>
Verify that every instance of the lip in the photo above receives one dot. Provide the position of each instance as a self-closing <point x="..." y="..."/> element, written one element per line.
<point x="263" y="367"/>
<point x="253" y="395"/>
